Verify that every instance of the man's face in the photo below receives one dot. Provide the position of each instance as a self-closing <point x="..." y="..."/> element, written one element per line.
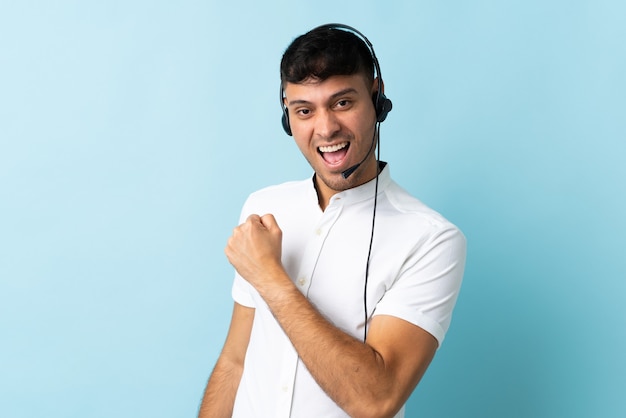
<point x="333" y="123"/>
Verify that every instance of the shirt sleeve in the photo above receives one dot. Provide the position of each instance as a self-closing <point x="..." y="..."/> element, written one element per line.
<point x="242" y="291"/>
<point x="427" y="287"/>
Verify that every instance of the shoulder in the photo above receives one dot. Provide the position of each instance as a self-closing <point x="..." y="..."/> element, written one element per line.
<point x="292" y="191"/>
<point x="406" y="204"/>
<point x="411" y="217"/>
<point x="282" y="190"/>
<point x="276" y="198"/>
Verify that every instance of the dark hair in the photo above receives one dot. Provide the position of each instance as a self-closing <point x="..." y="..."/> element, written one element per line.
<point x="324" y="52"/>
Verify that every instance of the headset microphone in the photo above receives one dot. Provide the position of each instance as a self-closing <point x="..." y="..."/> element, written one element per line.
<point x="346" y="173"/>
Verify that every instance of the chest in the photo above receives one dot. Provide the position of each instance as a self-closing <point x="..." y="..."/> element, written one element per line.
<point x="327" y="259"/>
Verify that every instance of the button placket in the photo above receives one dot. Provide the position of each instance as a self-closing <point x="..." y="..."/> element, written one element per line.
<point x="284" y="395"/>
<point x="314" y="247"/>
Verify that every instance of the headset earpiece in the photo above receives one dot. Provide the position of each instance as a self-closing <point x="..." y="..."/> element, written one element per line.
<point x="382" y="105"/>
<point x="285" y="120"/>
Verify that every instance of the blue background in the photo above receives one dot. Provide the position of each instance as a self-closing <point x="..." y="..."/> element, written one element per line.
<point x="132" y="131"/>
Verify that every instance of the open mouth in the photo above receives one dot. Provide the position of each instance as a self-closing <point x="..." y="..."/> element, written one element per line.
<point x="334" y="154"/>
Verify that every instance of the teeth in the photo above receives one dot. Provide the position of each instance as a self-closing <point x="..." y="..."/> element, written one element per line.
<point x="333" y="148"/>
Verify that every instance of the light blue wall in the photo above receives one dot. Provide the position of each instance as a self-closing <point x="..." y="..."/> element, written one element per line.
<point x="131" y="132"/>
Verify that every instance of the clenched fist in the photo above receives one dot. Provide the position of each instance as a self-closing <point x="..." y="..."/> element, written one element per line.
<point x="254" y="249"/>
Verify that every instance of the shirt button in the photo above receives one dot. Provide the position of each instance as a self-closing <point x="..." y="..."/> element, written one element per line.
<point x="285" y="388"/>
<point x="301" y="281"/>
<point x="318" y="231"/>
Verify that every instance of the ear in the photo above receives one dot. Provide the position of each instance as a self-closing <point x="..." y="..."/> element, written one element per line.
<point x="374" y="88"/>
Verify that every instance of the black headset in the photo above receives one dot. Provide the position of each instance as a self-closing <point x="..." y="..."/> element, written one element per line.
<point x="381" y="103"/>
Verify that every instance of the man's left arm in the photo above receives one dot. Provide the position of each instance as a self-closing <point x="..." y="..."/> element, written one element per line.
<point x="367" y="379"/>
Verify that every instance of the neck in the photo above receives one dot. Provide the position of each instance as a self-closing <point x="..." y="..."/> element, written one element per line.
<point x="325" y="190"/>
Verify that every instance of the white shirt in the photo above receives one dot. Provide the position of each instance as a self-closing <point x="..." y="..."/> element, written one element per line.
<point x="415" y="273"/>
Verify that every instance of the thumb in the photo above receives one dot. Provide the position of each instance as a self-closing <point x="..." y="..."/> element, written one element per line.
<point x="269" y="221"/>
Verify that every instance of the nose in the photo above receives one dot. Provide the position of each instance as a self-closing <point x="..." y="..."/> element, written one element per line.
<point x="326" y="124"/>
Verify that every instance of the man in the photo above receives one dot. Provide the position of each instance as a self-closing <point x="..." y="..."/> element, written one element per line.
<point x="345" y="284"/>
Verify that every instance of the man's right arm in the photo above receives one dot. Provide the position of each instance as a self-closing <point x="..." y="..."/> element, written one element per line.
<point x="219" y="396"/>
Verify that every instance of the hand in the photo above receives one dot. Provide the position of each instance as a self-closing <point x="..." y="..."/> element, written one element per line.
<point x="255" y="248"/>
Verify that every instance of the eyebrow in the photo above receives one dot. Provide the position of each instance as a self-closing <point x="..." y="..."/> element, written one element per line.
<point x="331" y="98"/>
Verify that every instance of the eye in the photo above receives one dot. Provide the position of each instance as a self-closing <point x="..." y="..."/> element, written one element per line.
<point x="343" y="104"/>
<point x="303" y="112"/>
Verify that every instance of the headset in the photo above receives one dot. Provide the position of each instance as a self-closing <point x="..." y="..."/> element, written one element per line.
<point x="383" y="106"/>
<point x="381" y="103"/>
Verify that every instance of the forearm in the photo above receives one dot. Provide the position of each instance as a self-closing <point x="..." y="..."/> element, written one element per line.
<point x="374" y="378"/>
<point x="351" y="372"/>
<point x="219" y="395"/>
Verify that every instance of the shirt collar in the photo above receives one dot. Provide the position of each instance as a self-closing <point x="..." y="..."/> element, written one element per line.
<point x="364" y="191"/>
